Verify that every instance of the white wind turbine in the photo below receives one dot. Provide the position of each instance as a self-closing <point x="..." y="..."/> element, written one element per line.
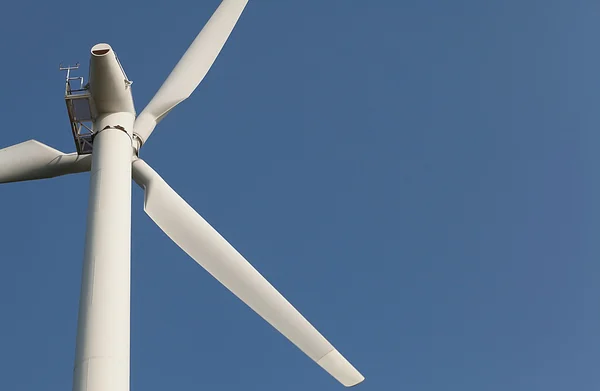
<point x="110" y="151"/>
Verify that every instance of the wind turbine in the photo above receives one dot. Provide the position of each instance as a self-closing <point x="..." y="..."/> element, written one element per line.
<point x="109" y="149"/>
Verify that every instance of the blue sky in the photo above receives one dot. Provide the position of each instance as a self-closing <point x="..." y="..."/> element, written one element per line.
<point x="416" y="177"/>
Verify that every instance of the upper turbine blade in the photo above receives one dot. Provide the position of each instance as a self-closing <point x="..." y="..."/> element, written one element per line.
<point x="191" y="68"/>
<point x="208" y="248"/>
<point x="34" y="160"/>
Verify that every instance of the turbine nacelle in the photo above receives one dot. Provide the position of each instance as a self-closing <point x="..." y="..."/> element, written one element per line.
<point x="110" y="88"/>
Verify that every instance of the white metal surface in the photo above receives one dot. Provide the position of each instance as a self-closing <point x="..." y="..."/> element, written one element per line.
<point x="211" y="251"/>
<point x="192" y="67"/>
<point x="109" y="86"/>
<point x="102" y="353"/>
<point x="33" y="160"/>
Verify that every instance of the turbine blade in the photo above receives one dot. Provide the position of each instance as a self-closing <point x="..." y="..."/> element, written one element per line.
<point x="33" y="160"/>
<point x="191" y="68"/>
<point x="211" y="251"/>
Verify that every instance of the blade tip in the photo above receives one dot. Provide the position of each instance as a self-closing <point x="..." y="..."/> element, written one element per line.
<point x="338" y="367"/>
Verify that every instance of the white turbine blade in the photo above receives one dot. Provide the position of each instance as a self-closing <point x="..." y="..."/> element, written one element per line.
<point x="192" y="67"/>
<point x="34" y="160"/>
<point x="208" y="248"/>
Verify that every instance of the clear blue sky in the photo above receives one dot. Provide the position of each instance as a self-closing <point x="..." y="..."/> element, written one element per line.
<point x="419" y="178"/>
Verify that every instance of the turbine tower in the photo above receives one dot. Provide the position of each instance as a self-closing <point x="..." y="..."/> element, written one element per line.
<point x="108" y="137"/>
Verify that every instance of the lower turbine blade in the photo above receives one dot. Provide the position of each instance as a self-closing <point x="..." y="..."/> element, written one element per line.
<point x="34" y="160"/>
<point x="211" y="251"/>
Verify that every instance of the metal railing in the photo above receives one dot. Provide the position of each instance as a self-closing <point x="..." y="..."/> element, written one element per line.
<point x="79" y="110"/>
